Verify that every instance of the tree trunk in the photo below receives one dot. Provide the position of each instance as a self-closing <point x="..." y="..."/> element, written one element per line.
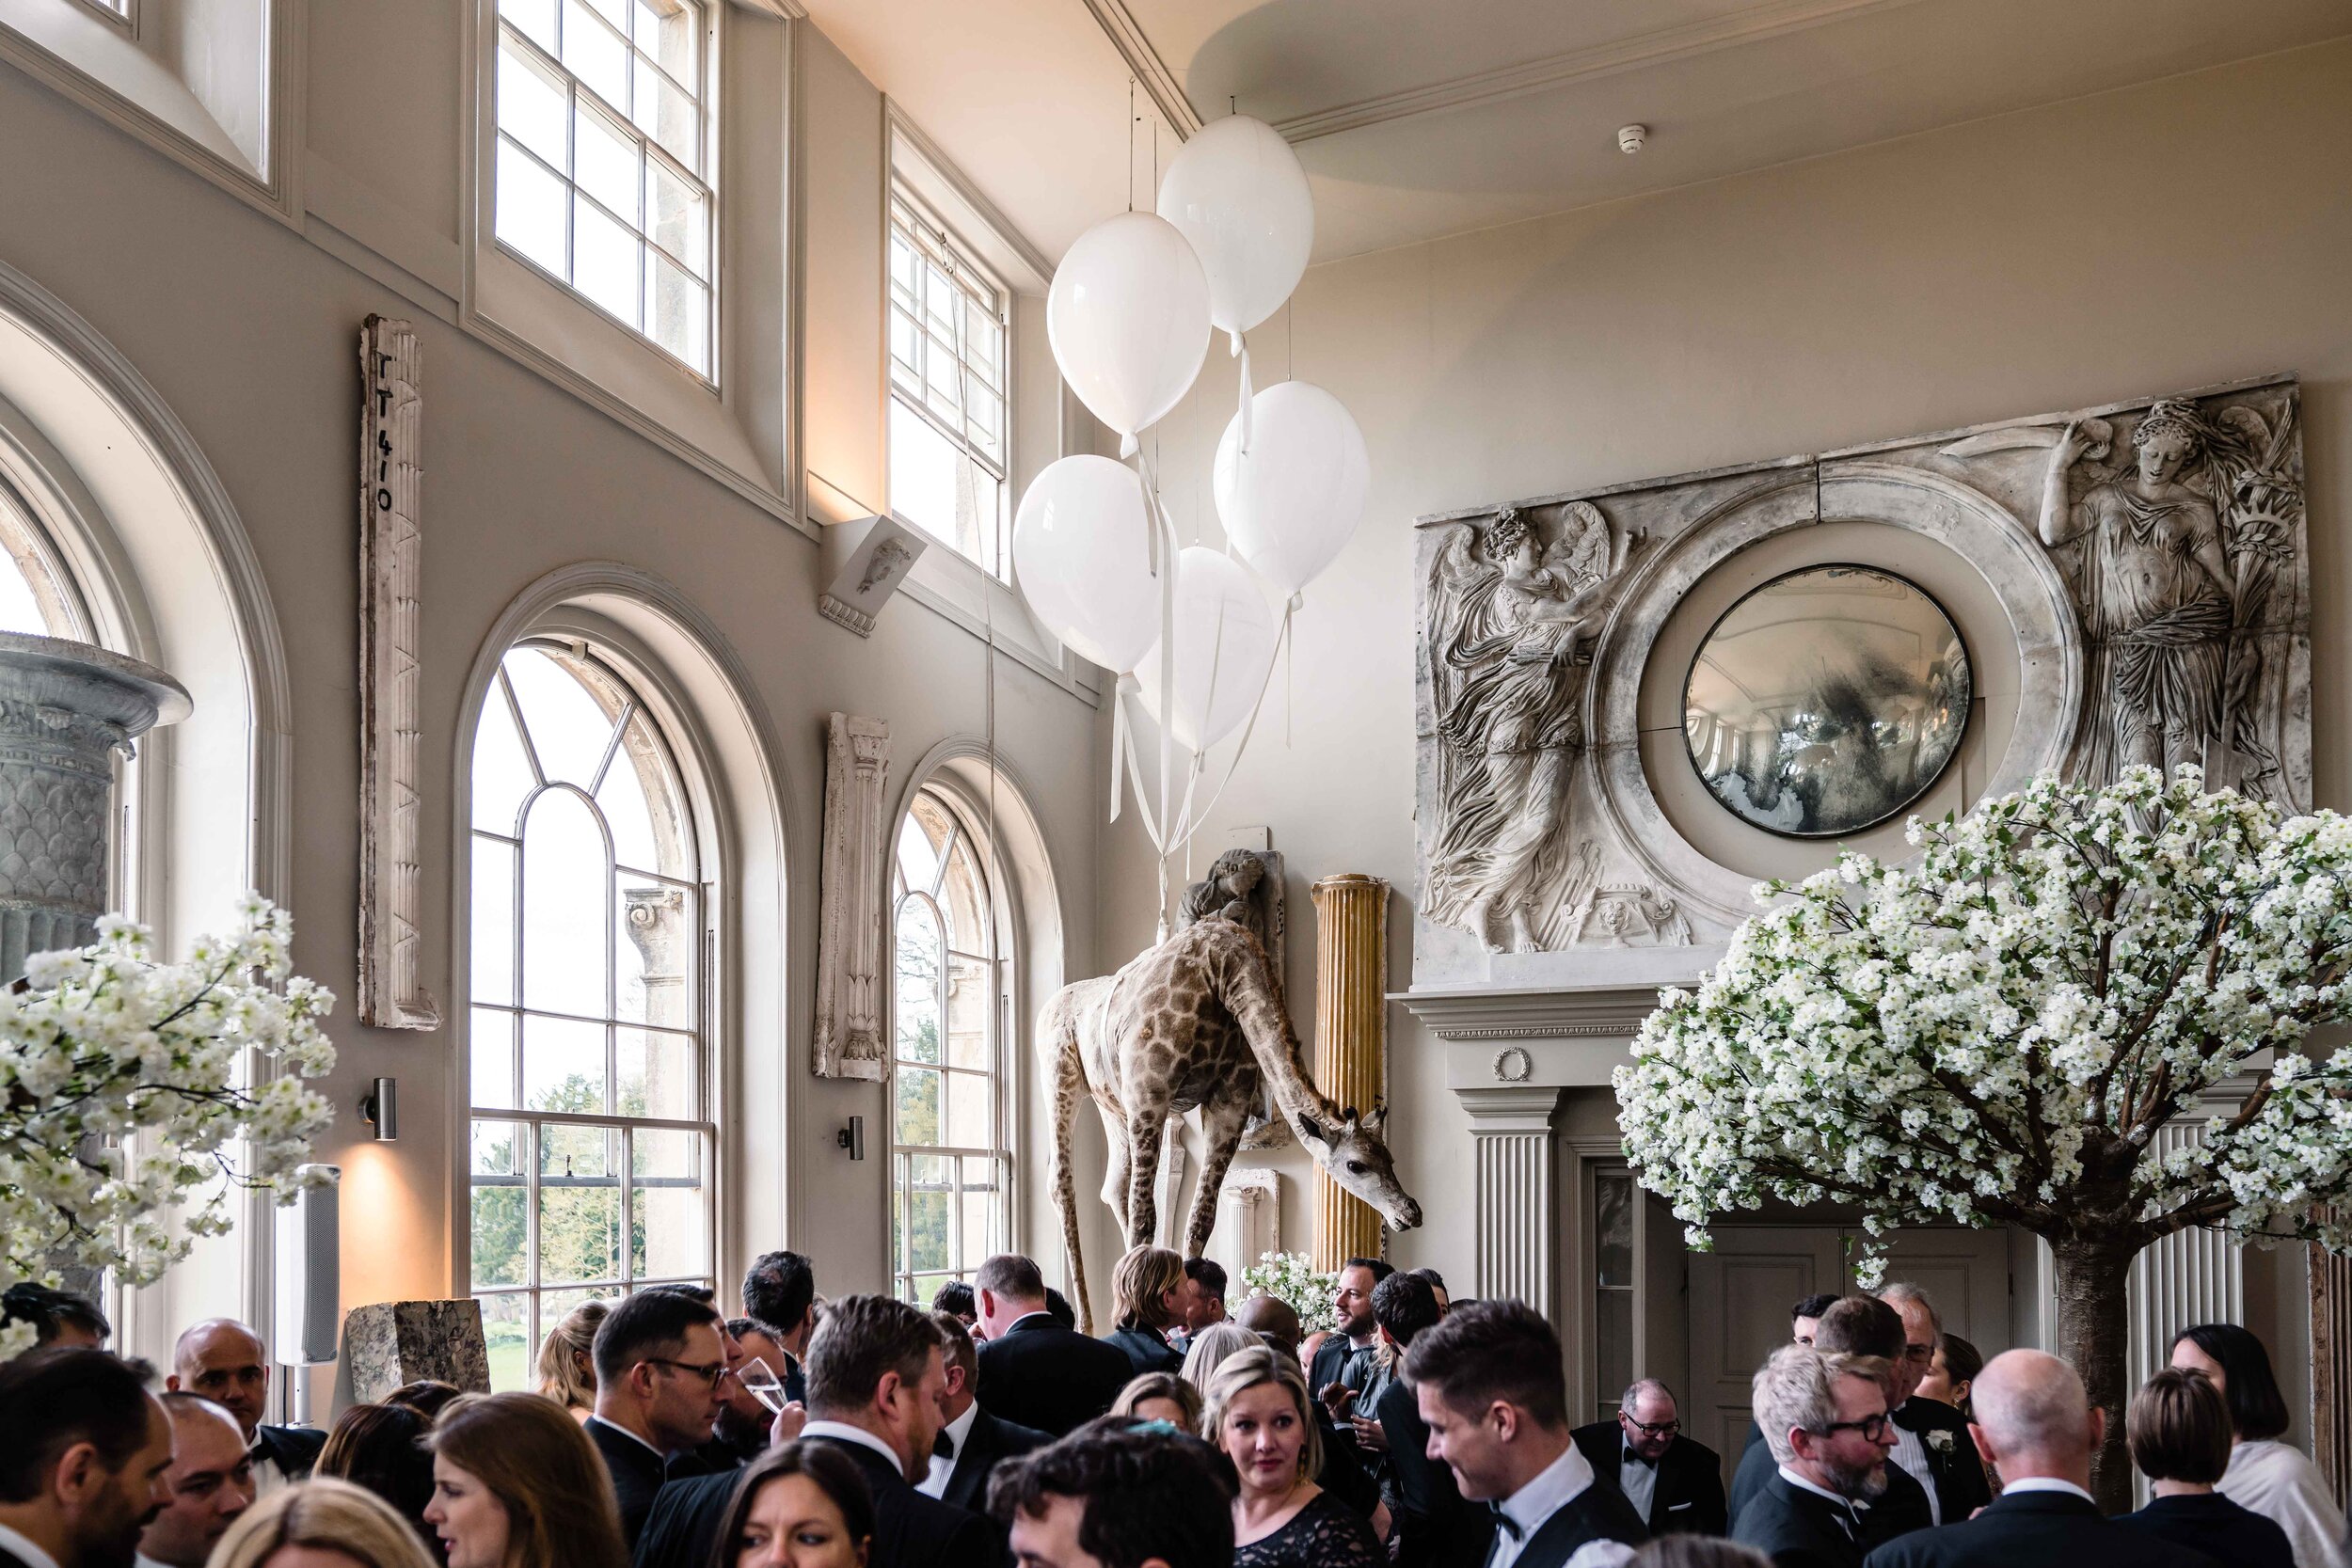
<point x="2093" y="1333"/>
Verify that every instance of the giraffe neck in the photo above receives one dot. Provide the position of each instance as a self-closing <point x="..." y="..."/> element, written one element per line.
<point x="1249" y="996"/>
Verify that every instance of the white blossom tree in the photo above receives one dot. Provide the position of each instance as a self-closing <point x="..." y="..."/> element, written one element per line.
<point x="1997" y="1031"/>
<point x="126" y="1100"/>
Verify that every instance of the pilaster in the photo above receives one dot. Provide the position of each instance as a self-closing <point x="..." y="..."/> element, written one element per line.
<point x="1519" y="1193"/>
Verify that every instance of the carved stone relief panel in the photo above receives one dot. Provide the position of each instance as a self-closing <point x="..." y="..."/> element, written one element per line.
<point x="850" y="994"/>
<point x="2149" y="565"/>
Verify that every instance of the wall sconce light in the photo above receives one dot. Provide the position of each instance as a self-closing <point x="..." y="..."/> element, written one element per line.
<point x="380" y="1109"/>
<point x="852" y="1137"/>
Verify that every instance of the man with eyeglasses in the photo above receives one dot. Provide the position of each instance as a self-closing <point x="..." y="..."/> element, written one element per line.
<point x="1824" y="1419"/>
<point x="660" y="1357"/>
<point x="1931" y="1439"/>
<point x="1674" y="1482"/>
<point x="1867" y="1328"/>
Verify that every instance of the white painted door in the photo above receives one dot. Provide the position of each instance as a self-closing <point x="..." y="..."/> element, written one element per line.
<point x="1741" y="1292"/>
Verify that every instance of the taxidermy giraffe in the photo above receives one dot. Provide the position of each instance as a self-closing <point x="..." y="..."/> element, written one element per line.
<point x="1194" y="1023"/>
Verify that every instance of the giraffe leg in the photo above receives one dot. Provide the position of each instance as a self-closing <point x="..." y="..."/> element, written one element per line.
<point x="1145" y="1129"/>
<point x="1115" y="1174"/>
<point x="1068" y="1085"/>
<point x="1222" y="1121"/>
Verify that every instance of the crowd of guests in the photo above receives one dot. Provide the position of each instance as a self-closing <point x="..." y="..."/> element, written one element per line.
<point x="865" y="1432"/>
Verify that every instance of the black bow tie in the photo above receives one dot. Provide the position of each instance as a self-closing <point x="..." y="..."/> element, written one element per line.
<point x="1633" y="1456"/>
<point x="1504" y="1523"/>
<point x="943" y="1446"/>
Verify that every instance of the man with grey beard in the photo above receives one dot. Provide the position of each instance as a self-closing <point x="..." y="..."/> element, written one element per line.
<point x="1824" y="1419"/>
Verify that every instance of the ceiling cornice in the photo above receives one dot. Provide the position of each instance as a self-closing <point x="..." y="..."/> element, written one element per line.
<point x="1772" y="19"/>
<point x="1151" y="72"/>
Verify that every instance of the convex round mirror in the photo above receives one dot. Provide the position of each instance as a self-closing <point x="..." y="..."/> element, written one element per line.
<point x="1827" y="699"/>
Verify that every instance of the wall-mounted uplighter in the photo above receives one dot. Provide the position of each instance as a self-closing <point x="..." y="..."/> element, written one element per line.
<point x="380" y="1109"/>
<point x="852" y="1137"/>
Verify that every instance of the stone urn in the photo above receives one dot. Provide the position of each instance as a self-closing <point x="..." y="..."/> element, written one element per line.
<point x="65" y="709"/>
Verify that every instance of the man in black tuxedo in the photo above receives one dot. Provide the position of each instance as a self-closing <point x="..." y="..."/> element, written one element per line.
<point x="1434" y="1527"/>
<point x="1674" y="1482"/>
<point x="85" y="1459"/>
<point x="1345" y="1360"/>
<point x="1931" y="1442"/>
<point x="1034" y="1371"/>
<point x="1486" y="1381"/>
<point x="226" y="1362"/>
<point x="1824" y="1420"/>
<point x="972" y="1442"/>
<point x="660" y="1357"/>
<point x="780" y="1289"/>
<point x="1115" y="1497"/>
<point x="1851" y="1325"/>
<point x="2034" y="1422"/>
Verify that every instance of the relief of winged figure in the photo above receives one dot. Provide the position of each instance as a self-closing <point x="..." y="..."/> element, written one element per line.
<point x="1510" y="622"/>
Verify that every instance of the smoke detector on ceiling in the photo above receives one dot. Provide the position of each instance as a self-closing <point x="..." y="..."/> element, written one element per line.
<point x="1631" y="138"/>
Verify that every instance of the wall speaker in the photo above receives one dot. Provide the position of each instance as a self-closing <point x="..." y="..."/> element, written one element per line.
<point x="306" y="1320"/>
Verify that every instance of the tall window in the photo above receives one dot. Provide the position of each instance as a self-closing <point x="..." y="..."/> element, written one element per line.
<point x="947" y="1146"/>
<point x="593" y="1141"/>
<point x="947" y="378"/>
<point x="604" y="159"/>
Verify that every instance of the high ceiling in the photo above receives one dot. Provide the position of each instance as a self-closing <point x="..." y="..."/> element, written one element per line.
<point x="1417" y="119"/>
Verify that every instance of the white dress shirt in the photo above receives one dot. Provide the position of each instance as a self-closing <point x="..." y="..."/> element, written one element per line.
<point x="2045" y="1483"/>
<point x="944" y="1466"/>
<point x="1637" y="1478"/>
<point x="843" y="1431"/>
<point x="1532" y="1506"/>
<point x="1911" y="1454"/>
<point x="16" y="1545"/>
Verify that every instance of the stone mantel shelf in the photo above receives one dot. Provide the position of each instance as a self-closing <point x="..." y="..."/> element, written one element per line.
<point x="1503" y="1035"/>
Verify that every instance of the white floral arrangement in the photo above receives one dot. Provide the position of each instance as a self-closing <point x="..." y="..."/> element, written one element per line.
<point x="1291" y="1278"/>
<point x="124" y="1089"/>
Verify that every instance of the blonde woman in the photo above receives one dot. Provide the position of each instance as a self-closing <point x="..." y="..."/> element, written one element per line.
<point x="321" y="1524"/>
<point x="1149" y="1284"/>
<point x="1259" y="1417"/>
<point x="567" y="1375"/>
<point x="1161" y="1397"/>
<point x="1210" y="1346"/>
<point x="518" y="1484"/>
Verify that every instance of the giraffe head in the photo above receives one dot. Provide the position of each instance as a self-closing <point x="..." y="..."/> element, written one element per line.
<point x="1351" y="1153"/>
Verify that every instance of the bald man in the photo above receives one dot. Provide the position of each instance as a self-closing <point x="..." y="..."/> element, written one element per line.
<point x="212" y="1483"/>
<point x="1272" y="1319"/>
<point x="226" y="1362"/>
<point x="2035" y="1426"/>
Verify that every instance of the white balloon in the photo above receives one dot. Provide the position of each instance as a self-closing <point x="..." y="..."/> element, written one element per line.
<point x="1292" y="502"/>
<point x="1237" y="192"/>
<point x="1128" y="316"/>
<point x="1225" y="638"/>
<point x="1081" y="553"/>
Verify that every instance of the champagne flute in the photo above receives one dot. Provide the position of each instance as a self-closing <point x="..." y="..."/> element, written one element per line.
<point x="760" y="1381"/>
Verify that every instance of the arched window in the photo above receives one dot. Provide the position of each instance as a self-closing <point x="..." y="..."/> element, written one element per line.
<point x="948" y="1148"/>
<point x="593" y="1140"/>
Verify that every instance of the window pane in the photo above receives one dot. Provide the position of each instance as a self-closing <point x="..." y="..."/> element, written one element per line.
<point x="614" y="11"/>
<point x="927" y="1208"/>
<point x="493" y="921"/>
<point x="919" y="1106"/>
<point x="579" y="1204"/>
<point x="656" y="946"/>
<point x="571" y="727"/>
<point x="638" y="841"/>
<point x="678" y="312"/>
<point x="918" y="854"/>
<point x="667" y="1204"/>
<point x="669" y="116"/>
<point x="595" y="53"/>
<point x="674" y="39"/>
<point x="501" y="773"/>
<point x="971" y="1122"/>
<point x="531" y="104"/>
<point x="604" y="262"/>
<point x="657" y="1073"/>
<point x="606" y="163"/>
<point x="536" y="17"/>
<point x="1612" y="1201"/>
<point x="530" y="208"/>
<point x="500" y="1232"/>
<point x="490" y="1047"/>
<point x="970" y="1002"/>
<point x="562" y="1066"/>
<point x="565" y="884"/>
<point x="917" y="980"/>
<point x="506" y="1330"/>
<point x="980" y="1198"/>
<point x="680" y="219"/>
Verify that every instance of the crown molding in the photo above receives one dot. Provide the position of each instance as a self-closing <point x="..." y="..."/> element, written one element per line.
<point x="1159" y="84"/>
<point x="1642" y="50"/>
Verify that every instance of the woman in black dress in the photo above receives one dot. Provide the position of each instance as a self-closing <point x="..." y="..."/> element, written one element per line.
<point x="1259" y="1416"/>
<point x="2179" y="1433"/>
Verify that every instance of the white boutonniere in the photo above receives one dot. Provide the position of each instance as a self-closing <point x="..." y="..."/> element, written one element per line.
<point x="1940" y="1439"/>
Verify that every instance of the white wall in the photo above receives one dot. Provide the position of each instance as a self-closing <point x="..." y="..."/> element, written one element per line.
<point x="2185" y="232"/>
<point x="247" y="329"/>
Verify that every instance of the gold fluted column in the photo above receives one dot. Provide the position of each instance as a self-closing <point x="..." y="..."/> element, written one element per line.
<point x="1351" y="1042"/>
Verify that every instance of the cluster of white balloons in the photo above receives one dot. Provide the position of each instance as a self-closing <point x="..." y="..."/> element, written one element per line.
<point x="1130" y="315"/>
